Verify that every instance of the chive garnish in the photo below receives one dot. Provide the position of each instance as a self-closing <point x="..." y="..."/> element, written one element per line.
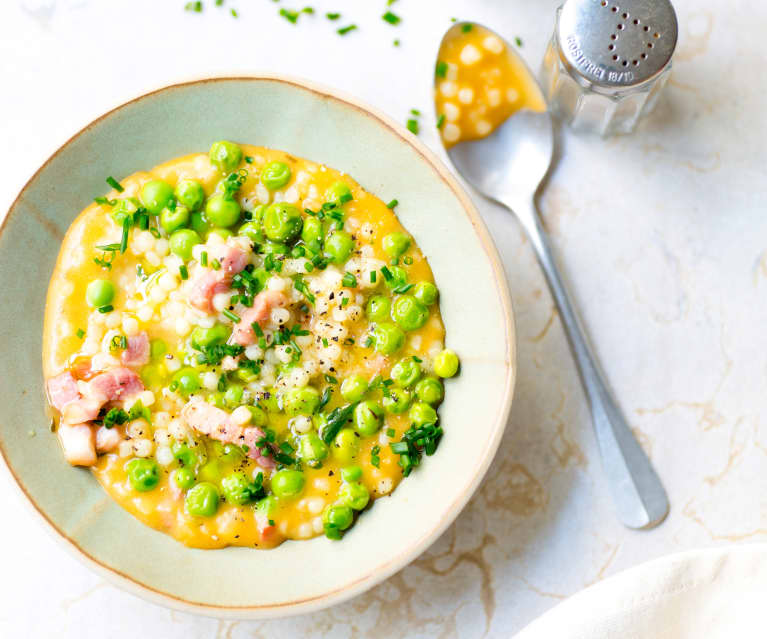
<point x="80" y="333"/>
<point x="289" y="15"/>
<point x="234" y="13"/>
<point x="257" y="329"/>
<point x="349" y="281"/>
<point x="441" y="70"/>
<point x="407" y="260"/>
<point x="126" y="231"/>
<point x="440" y="121"/>
<point x="227" y="313"/>
<point x="518" y="41"/>
<point x="415" y="112"/>
<point x="374" y="458"/>
<point x="386" y="273"/>
<point x="344" y="301"/>
<point x="391" y="18"/>
<point x="104" y="201"/>
<point x="332" y="16"/>
<point x="390" y="432"/>
<point x="396" y="43"/>
<point x="336" y="419"/>
<point x="344" y="30"/>
<point x="184" y="272"/>
<point x="249" y="159"/>
<point x="372" y="277"/>
<point x="106" y="309"/>
<point x="215" y="264"/>
<point x="412" y="126"/>
<point x="325" y="342"/>
<point x="392" y="204"/>
<point x="115" y="184"/>
<point x="330" y="379"/>
<point x="155" y="233"/>
<point x="204" y="258"/>
<point x="466" y="28"/>
<point x="193" y="6"/>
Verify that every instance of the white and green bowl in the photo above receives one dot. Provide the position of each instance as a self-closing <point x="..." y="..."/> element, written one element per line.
<point x="388" y="161"/>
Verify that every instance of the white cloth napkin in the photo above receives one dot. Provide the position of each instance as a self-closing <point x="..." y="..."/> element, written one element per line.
<point x="710" y="594"/>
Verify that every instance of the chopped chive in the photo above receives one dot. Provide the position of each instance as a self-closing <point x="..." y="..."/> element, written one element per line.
<point x="372" y="277"/>
<point x="106" y="309"/>
<point x="80" y="333"/>
<point x="396" y="43"/>
<point x="518" y="41"/>
<point x="368" y="342"/>
<point x="391" y="18"/>
<point x="309" y="10"/>
<point x="155" y="233"/>
<point x="386" y="273"/>
<point x="441" y="70"/>
<point x="332" y="16"/>
<point x="330" y="379"/>
<point x="407" y="260"/>
<point x="204" y="258"/>
<point x="249" y="159"/>
<point x="290" y="16"/>
<point x="440" y="121"/>
<point x="392" y="204"/>
<point x="215" y="264"/>
<point x="126" y="230"/>
<point x="104" y="201"/>
<point x="325" y="342"/>
<point x="219" y="3"/>
<point x="344" y="30"/>
<point x="257" y="329"/>
<point x="115" y="184"/>
<point x="415" y="112"/>
<point x="349" y="281"/>
<point x="234" y="13"/>
<point x="390" y="432"/>
<point x="412" y="126"/>
<point x="184" y="272"/>
<point x="344" y="301"/>
<point x="193" y="6"/>
<point x="466" y="28"/>
<point x="143" y="221"/>
<point x="227" y="313"/>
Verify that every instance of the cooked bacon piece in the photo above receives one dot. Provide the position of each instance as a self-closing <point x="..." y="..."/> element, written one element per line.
<point x="78" y="443"/>
<point x="62" y="390"/>
<point x="114" y="384"/>
<point x="243" y="333"/>
<point x="137" y="353"/>
<point x="232" y="260"/>
<point x="217" y="423"/>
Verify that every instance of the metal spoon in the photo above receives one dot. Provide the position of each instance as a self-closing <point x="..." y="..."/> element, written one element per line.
<point x="508" y="166"/>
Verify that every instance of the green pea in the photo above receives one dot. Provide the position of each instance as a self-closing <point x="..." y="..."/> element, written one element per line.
<point x="143" y="474"/>
<point x="287" y="483"/>
<point x="222" y="210"/>
<point x="156" y="195"/>
<point x="202" y="500"/>
<point x="312" y="230"/>
<point x="217" y="399"/>
<point x="354" y="495"/>
<point x="257" y="416"/>
<point x="282" y="222"/>
<point x="430" y="390"/>
<point x="183" y="477"/>
<point x="301" y="401"/>
<point x="368" y="417"/>
<point x="238" y="489"/>
<point x="184" y="454"/>
<point x="157" y="348"/>
<point x="271" y="404"/>
<point x="378" y="308"/>
<point x="252" y="230"/>
<point x="182" y="242"/>
<point x="222" y="233"/>
<point x="339" y="246"/>
<point x="351" y="473"/>
<point x="190" y="194"/>
<point x="398" y="277"/>
<point x="274" y="248"/>
<point x="187" y="380"/>
<point x="225" y="155"/>
<point x="199" y="223"/>
<point x="172" y="220"/>
<point x="124" y="209"/>
<point x="396" y="243"/>
<point x="396" y="401"/>
<point x="233" y="395"/>
<point x="100" y="293"/>
<point x="339" y="193"/>
<point x="346" y="446"/>
<point x="275" y="175"/>
<point x="211" y="471"/>
<point x="421" y="413"/>
<point x="311" y="448"/>
<point x="353" y="388"/>
<point x="406" y="372"/>
<point x="338" y="517"/>
<point x="216" y="334"/>
<point x="232" y="454"/>
<point x="446" y="363"/>
<point x="409" y="313"/>
<point x="426" y="293"/>
<point x="387" y="338"/>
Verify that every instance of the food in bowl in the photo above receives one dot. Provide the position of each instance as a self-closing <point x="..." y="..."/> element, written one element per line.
<point x="479" y="84"/>
<point x="245" y="347"/>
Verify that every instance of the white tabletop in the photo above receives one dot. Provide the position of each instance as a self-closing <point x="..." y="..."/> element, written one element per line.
<point x="662" y="234"/>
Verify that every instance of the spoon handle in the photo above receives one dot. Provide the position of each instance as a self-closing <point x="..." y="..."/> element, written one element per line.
<point x="639" y="496"/>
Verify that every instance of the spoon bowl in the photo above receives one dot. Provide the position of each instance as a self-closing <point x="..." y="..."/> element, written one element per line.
<point x="508" y="165"/>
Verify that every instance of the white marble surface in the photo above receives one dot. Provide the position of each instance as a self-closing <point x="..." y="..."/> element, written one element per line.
<point x="664" y="238"/>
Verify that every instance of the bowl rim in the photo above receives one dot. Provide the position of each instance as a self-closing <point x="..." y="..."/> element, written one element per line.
<point x="414" y="549"/>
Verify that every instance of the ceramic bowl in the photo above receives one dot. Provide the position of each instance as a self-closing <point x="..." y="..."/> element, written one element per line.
<point x="320" y="125"/>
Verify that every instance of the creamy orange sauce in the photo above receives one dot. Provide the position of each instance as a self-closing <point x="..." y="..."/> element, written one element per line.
<point x="366" y="217"/>
<point x="479" y="84"/>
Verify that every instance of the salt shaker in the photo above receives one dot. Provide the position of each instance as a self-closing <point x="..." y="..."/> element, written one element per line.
<point x="608" y="61"/>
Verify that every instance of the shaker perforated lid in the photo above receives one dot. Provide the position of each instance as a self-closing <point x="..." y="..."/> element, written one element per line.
<point x="616" y="44"/>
